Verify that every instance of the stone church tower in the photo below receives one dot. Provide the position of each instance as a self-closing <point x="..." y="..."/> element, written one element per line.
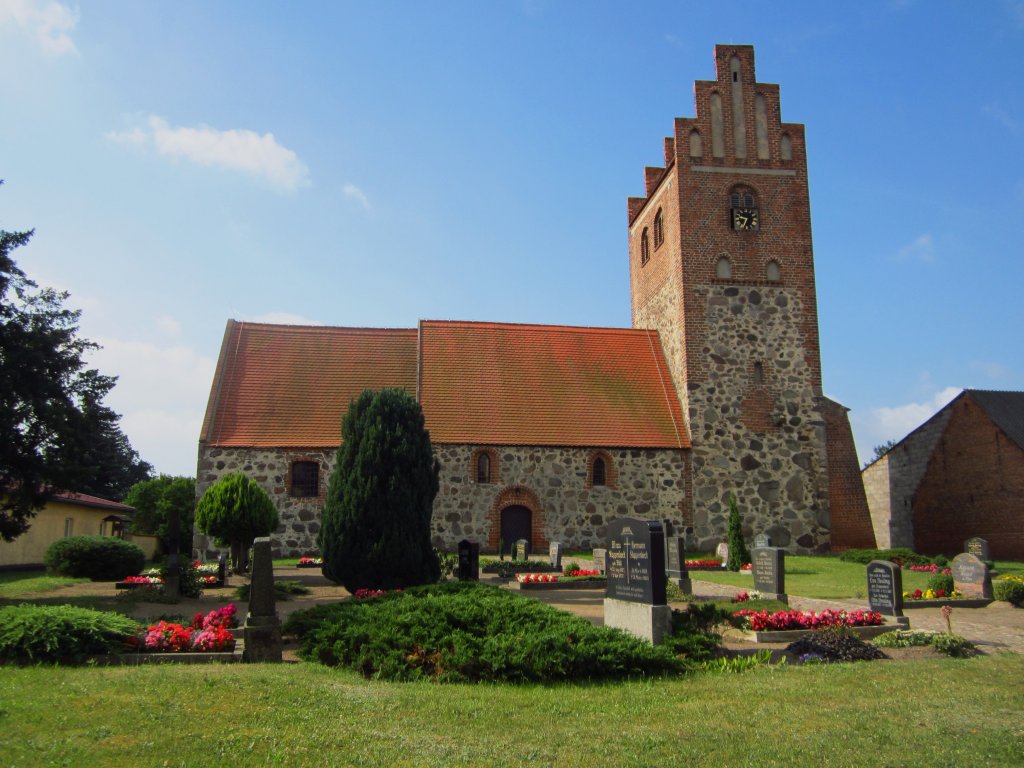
<point x="721" y="264"/>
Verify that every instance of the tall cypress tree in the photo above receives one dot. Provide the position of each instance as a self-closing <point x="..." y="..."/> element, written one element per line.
<point x="739" y="555"/>
<point x="375" y="530"/>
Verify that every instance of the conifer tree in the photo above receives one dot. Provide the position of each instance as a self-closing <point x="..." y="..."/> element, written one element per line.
<point x="375" y="530"/>
<point x="739" y="555"/>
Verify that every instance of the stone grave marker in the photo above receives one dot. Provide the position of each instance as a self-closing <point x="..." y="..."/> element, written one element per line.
<point x="222" y="569"/>
<point x="762" y="540"/>
<point x="469" y="561"/>
<point x="675" y="563"/>
<point x="885" y="587"/>
<point x="722" y="553"/>
<point x="262" y="629"/>
<point x="600" y="560"/>
<point x="971" y="577"/>
<point x="635" y="598"/>
<point x="555" y="555"/>
<point x="521" y="550"/>
<point x="978" y="547"/>
<point x="770" y="572"/>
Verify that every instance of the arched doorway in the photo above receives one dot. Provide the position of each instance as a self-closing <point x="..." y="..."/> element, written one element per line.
<point x="516" y="523"/>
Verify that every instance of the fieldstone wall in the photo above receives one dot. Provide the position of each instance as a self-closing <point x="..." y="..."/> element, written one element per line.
<point x="756" y="421"/>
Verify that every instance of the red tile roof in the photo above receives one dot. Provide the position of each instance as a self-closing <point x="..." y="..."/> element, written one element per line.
<point x="289" y="385"/>
<point x="85" y="500"/>
<point x="508" y="384"/>
<point x="483" y="383"/>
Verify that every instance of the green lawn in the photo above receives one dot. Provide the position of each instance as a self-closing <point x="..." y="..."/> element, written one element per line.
<point x="16" y="583"/>
<point x="936" y="712"/>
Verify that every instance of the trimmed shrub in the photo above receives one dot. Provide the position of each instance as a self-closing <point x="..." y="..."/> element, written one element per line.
<point x="941" y="581"/>
<point x="900" y="556"/>
<point x="835" y="644"/>
<point x="953" y="645"/>
<point x="739" y="555"/>
<point x="100" y="558"/>
<point x="467" y="632"/>
<point x="60" y="633"/>
<point x="1010" y="590"/>
<point x="235" y="510"/>
<point x="904" y="638"/>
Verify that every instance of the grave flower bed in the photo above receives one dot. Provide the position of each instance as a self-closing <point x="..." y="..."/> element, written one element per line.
<point x="576" y="579"/>
<point x="932" y="594"/>
<point x="207" y="633"/>
<point x="703" y="565"/>
<point x="309" y="562"/>
<point x="362" y="594"/>
<point x="536" y="578"/>
<point x="581" y="572"/>
<point x="143" y="580"/>
<point x="781" y="621"/>
<point x="933" y="568"/>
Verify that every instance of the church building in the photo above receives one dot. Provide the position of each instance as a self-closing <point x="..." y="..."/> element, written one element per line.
<point x="549" y="432"/>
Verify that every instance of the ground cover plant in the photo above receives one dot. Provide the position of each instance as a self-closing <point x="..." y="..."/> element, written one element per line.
<point x="472" y="632"/>
<point x="945" y="642"/>
<point x="60" y="634"/>
<point x="1009" y="588"/>
<point x="18" y="583"/>
<point x="284" y="589"/>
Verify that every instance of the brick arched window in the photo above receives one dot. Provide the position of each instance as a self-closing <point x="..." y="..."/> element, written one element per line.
<point x="645" y="248"/>
<point x="744" y="214"/>
<point x="659" y="229"/>
<point x="483" y="466"/>
<point x="723" y="268"/>
<point x="772" y="271"/>
<point x="601" y="470"/>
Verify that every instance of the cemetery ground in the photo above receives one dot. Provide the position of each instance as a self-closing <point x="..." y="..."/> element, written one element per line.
<point x="933" y="711"/>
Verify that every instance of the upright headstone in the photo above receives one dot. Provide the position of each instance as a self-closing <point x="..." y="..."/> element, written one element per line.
<point x="522" y="550"/>
<point x="885" y="587"/>
<point x="601" y="560"/>
<point x="172" y="576"/>
<point x="971" y="576"/>
<point x="978" y="547"/>
<point x="635" y="599"/>
<point x="555" y="555"/>
<point x="770" y="572"/>
<point x="469" y="560"/>
<point x="762" y="540"/>
<point x="222" y="569"/>
<point x="722" y="553"/>
<point x="675" y="563"/>
<point x="262" y="630"/>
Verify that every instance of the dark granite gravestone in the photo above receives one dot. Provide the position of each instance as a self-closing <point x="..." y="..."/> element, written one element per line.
<point x="601" y="560"/>
<point x="222" y="569"/>
<point x="262" y="629"/>
<point x="469" y="561"/>
<point x="770" y="572"/>
<point x="555" y="555"/>
<point x="675" y="563"/>
<point x="762" y="540"/>
<point x="636" y="561"/>
<point x="885" y="587"/>
<point x="971" y="577"/>
<point x="978" y="547"/>
<point x="521" y="550"/>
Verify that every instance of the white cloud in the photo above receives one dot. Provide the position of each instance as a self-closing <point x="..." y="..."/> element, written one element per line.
<point x="884" y="423"/>
<point x="236" y="149"/>
<point x="352" y="192"/>
<point x="282" y="318"/>
<point x="50" y="23"/>
<point x="921" y="249"/>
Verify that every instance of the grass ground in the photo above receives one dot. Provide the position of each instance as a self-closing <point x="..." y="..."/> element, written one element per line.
<point x="15" y="583"/>
<point x="941" y="712"/>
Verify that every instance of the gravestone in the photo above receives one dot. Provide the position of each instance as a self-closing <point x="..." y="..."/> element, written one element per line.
<point x="635" y="598"/>
<point x="770" y="572"/>
<point x="722" y="553"/>
<point x="222" y="569"/>
<point x="762" y="540"/>
<point x="885" y="587"/>
<point x="262" y="629"/>
<point x="521" y="551"/>
<point x="469" y="561"/>
<point x="978" y="547"/>
<point x="600" y="560"/>
<point x="971" y="577"/>
<point x="675" y="564"/>
<point x="555" y="555"/>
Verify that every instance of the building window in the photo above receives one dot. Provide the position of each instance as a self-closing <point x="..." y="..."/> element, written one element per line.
<point x="659" y="229"/>
<point x="645" y="248"/>
<point x="744" y="215"/>
<point x="305" y="479"/>
<point x="483" y="466"/>
<point x="723" y="269"/>
<point x="600" y="470"/>
<point x="758" y="374"/>
<point x="772" y="272"/>
<point x="69" y="527"/>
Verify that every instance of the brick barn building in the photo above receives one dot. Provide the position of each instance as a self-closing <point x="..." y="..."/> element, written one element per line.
<point x="958" y="475"/>
<point x="549" y="432"/>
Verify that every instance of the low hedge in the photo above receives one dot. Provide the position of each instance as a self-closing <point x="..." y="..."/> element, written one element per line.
<point x="60" y="633"/>
<point x="469" y="632"/>
<point x="1010" y="590"/>
<point x="100" y="558"/>
<point x="900" y="556"/>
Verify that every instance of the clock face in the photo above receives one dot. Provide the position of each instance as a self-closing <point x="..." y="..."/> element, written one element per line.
<point x="744" y="219"/>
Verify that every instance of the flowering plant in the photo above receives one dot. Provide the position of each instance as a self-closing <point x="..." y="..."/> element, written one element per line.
<point x="931" y="594"/>
<point x="361" y="594"/>
<point x="741" y="597"/>
<point x="747" y="567"/>
<point x="310" y="561"/>
<point x="222" y="617"/>
<point x="213" y="639"/>
<point x="933" y="568"/>
<point x="206" y="568"/>
<point x="703" y="563"/>
<point x="536" y="578"/>
<point x="785" y="620"/>
<point x="583" y="572"/>
<point x="143" y="580"/>
<point x="164" y="637"/>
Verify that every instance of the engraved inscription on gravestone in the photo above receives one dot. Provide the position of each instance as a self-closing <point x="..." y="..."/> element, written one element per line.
<point x="769" y="570"/>
<point x="522" y="550"/>
<point x="675" y="564"/>
<point x="636" y="561"/>
<point x="978" y="547"/>
<point x="555" y="555"/>
<point x="971" y="577"/>
<point x="762" y="540"/>
<point x="600" y="560"/>
<point x="885" y="587"/>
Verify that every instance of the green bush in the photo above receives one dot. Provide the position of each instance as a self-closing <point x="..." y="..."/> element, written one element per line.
<point x="941" y="560"/>
<point x="283" y="590"/>
<point x="235" y="510"/>
<point x="100" y="558"/>
<point x="953" y="645"/>
<point x="941" y="581"/>
<point x="900" y="556"/>
<point x="904" y="638"/>
<point x="449" y="562"/>
<point x="462" y="632"/>
<point x="739" y="555"/>
<point x="693" y="631"/>
<point x="1011" y="591"/>
<point x="60" y="633"/>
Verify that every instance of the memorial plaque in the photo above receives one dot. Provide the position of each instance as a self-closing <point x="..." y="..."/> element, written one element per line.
<point x="762" y="540"/>
<point x="469" y="560"/>
<point x="978" y="547"/>
<point x="600" y="560"/>
<point x="521" y="550"/>
<point x="555" y="555"/>
<point x="885" y="587"/>
<point x="636" y="561"/>
<point x="971" y="576"/>
<point x="769" y="570"/>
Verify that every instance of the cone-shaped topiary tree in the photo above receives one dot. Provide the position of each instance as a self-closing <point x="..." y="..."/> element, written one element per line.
<point x="739" y="555"/>
<point x="375" y="530"/>
<point x="235" y="510"/>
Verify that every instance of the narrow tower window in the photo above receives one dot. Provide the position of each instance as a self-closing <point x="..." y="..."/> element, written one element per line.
<point x="483" y="468"/>
<point x="696" y="144"/>
<point x="645" y="248"/>
<point x="599" y="472"/>
<point x="758" y="374"/>
<point x="786" y="147"/>
<point x="659" y="229"/>
<point x="717" y="127"/>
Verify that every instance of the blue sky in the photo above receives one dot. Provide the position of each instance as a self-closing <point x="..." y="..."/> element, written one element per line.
<point x="371" y="164"/>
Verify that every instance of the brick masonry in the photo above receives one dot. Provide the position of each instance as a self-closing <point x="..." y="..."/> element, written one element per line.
<point x="848" y="504"/>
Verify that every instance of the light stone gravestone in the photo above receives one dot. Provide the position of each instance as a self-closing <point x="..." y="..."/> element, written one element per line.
<point x="262" y="629"/>
<point x="769" y="565"/>
<point x="978" y="547"/>
<point x="675" y="564"/>
<point x="600" y="560"/>
<point x="722" y="553"/>
<point x="885" y="587"/>
<point x="971" y="577"/>
<point x="555" y="555"/>
<point x="522" y="550"/>
<point x="469" y="561"/>
<point x="762" y="540"/>
<point x="635" y="597"/>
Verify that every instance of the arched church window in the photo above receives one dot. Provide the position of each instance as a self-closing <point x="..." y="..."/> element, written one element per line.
<point x="483" y="465"/>
<point x="723" y="269"/>
<point x="772" y="272"/>
<point x="659" y="229"/>
<point x="599" y="475"/>
<point x="483" y="468"/>
<point x="645" y="248"/>
<point x="600" y="469"/>
<point x="744" y="215"/>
